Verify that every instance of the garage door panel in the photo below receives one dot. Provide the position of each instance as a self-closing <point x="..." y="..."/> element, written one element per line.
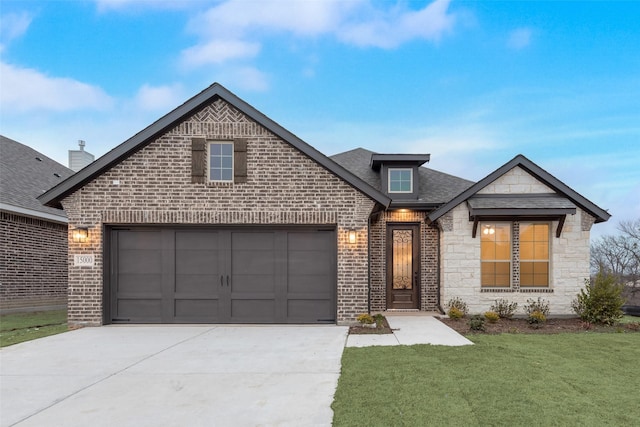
<point x="256" y="283"/>
<point x="309" y="310"/>
<point x="173" y="275"/>
<point x="311" y="241"/>
<point x="137" y="283"/>
<point x="196" y="309"/>
<point x="197" y="262"/>
<point x="253" y="262"/>
<point x="140" y="308"/>
<point x="136" y="240"/>
<point x="311" y="263"/>
<point x="253" y="241"/>
<point x="253" y="310"/>
<point x="308" y="284"/>
<point x="196" y="240"/>
<point x="140" y="261"/>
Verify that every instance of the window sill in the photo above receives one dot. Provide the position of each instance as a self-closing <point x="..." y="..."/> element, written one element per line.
<point x="521" y="290"/>
<point x="535" y="290"/>
<point x="497" y="290"/>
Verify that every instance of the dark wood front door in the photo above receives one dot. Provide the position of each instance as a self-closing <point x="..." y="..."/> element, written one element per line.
<point x="403" y="266"/>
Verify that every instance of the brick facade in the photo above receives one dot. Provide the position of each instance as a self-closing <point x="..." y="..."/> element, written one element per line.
<point x="153" y="186"/>
<point x="33" y="262"/>
<point x="428" y="259"/>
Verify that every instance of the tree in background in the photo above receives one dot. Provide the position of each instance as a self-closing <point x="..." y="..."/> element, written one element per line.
<point x="619" y="255"/>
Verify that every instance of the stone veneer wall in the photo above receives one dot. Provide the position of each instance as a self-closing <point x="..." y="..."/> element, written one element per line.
<point x="460" y="254"/>
<point x="153" y="186"/>
<point x="428" y="259"/>
<point x="33" y="262"/>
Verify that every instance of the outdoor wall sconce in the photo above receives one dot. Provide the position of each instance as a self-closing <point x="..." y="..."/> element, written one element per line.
<point x="352" y="236"/>
<point x="81" y="234"/>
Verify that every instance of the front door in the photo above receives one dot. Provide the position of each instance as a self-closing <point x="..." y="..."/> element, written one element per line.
<point x="403" y="266"/>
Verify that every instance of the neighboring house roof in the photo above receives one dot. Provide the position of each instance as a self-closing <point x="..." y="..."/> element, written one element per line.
<point x="436" y="188"/>
<point x="26" y="174"/>
<point x="161" y="126"/>
<point x="566" y="199"/>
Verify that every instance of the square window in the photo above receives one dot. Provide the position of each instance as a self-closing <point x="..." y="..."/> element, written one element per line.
<point x="400" y="180"/>
<point x="221" y="161"/>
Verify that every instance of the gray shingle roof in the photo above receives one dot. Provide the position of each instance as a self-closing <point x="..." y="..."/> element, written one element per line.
<point x="527" y="202"/>
<point x="23" y="177"/>
<point x="435" y="187"/>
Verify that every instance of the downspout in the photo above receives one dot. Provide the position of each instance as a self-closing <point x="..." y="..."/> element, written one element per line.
<point x="439" y="273"/>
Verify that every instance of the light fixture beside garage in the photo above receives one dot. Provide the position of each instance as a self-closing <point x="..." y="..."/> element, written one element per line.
<point x="352" y="236"/>
<point x="80" y="234"/>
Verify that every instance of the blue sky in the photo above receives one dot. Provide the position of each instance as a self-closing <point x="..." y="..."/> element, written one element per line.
<point x="472" y="83"/>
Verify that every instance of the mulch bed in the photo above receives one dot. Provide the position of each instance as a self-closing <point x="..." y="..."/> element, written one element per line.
<point x="381" y="329"/>
<point x="552" y="326"/>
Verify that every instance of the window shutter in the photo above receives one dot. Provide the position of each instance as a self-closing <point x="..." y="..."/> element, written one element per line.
<point x="198" y="160"/>
<point x="239" y="160"/>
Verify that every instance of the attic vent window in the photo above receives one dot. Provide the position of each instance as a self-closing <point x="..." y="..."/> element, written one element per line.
<point x="400" y="180"/>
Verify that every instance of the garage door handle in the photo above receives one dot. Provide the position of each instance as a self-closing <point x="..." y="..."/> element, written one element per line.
<point x="221" y="283"/>
<point x="227" y="280"/>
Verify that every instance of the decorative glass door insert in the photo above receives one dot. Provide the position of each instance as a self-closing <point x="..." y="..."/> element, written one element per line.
<point x="402" y="259"/>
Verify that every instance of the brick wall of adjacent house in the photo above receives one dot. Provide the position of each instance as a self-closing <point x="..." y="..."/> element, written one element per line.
<point x="428" y="259"/>
<point x="460" y="255"/>
<point x="33" y="262"/>
<point x="154" y="186"/>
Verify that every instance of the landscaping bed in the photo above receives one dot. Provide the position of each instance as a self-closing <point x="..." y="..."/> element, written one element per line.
<point x="381" y="327"/>
<point x="551" y="326"/>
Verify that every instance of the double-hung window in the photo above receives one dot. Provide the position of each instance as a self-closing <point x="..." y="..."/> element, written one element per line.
<point x="221" y="161"/>
<point x="400" y="180"/>
<point x="495" y="254"/>
<point x="534" y="255"/>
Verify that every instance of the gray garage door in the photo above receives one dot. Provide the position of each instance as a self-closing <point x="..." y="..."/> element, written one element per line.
<point x="183" y="275"/>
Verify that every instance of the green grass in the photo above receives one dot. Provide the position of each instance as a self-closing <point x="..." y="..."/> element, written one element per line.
<point x="630" y="319"/>
<point x="503" y="380"/>
<point x="20" y="327"/>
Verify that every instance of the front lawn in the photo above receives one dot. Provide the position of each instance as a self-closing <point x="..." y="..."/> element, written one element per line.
<point x="585" y="379"/>
<point x="20" y="327"/>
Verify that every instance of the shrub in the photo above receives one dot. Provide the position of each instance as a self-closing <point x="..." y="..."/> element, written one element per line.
<point x="600" y="302"/>
<point x="455" y="313"/>
<point x="459" y="304"/>
<point x="491" y="316"/>
<point x="476" y="323"/>
<point x="379" y="319"/>
<point x="504" y="308"/>
<point x="540" y="305"/>
<point x="536" y="318"/>
<point x="365" y="319"/>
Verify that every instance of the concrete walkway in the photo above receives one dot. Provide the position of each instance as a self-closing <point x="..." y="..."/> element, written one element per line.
<point x="410" y="329"/>
<point x="173" y="376"/>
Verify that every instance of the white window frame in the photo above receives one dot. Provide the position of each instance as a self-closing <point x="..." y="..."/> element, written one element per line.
<point x="410" y="170"/>
<point x="209" y="144"/>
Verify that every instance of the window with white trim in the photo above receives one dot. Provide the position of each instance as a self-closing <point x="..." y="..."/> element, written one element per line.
<point x="220" y="161"/>
<point x="400" y="180"/>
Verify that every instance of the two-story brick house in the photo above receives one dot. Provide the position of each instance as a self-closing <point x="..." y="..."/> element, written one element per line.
<point x="217" y="214"/>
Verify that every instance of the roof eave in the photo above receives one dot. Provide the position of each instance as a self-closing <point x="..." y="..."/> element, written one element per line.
<point x="53" y="196"/>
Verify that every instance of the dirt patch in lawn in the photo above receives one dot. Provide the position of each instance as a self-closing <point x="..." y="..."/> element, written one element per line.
<point x="551" y="326"/>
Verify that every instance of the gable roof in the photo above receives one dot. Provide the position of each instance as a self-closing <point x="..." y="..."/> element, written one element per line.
<point x="435" y="188"/>
<point x="24" y="175"/>
<point x="190" y="107"/>
<point x="543" y="176"/>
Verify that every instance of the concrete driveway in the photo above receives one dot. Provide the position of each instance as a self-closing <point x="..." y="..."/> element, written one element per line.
<point x="173" y="376"/>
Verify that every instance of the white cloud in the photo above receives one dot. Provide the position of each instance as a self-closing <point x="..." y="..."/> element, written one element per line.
<point x="392" y="28"/>
<point x="217" y="52"/>
<point x="520" y="38"/>
<point x="121" y="5"/>
<point x="159" y="98"/>
<point x="14" y="25"/>
<point x="25" y="89"/>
